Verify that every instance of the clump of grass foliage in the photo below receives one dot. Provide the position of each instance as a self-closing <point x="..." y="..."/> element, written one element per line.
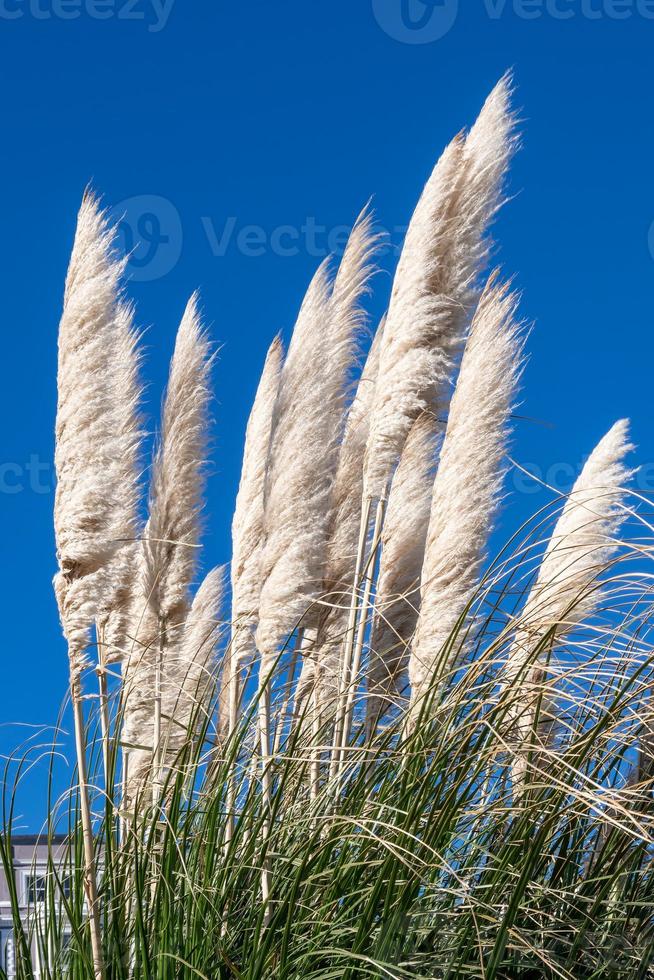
<point x="394" y="758"/>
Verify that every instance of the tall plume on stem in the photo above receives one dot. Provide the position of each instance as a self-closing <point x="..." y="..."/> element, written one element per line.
<point x="114" y="616"/>
<point x="343" y="534"/>
<point x="435" y="285"/>
<point x="398" y="585"/>
<point x="347" y="491"/>
<point x="307" y="429"/>
<point x="468" y="483"/>
<point x="195" y="666"/>
<point x="566" y="590"/>
<point x="97" y="431"/>
<point x="296" y="490"/>
<point x="97" y="441"/>
<point x="172" y="534"/>
<point x="298" y="477"/>
<point x="171" y="539"/>
<point x="247" y="533"/>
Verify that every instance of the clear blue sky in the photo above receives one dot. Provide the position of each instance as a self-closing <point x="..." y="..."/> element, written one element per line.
<point x="243" y="135"/>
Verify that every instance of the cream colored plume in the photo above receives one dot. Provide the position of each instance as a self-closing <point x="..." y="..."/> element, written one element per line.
<point x="247" y="524"/>
<point x="172" y="534"/>
<point x="193" y="665"/>
<point x="435" y="286"/>
<point x="584" y="540"/>
<point x="307" y="429"/>
<point x="297" y="482"/>
<point x="247" y="530"/>
<point x="114" y="616"/>
<point x="489" y="148"/>
<point x="467" y="488"/>
<point x="343" y="535"/>
<point x="398" y="585"/>
<point x="347" y="492"/>
<point x="168" y="560"/>
<point x="97" y="432"/>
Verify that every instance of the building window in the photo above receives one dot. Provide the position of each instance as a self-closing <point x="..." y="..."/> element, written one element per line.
<point x="35" y="889"/>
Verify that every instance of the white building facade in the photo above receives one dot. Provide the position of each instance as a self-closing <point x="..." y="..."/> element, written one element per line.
<point x="30" y="862"/>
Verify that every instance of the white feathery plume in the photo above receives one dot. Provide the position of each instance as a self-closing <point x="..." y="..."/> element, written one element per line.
<point x="343" y="537"/>
<point x="467" y="488"/>
<point x="97" y="431"/>
<point x="172" y="534"/>
<point x="114" y="616"/>
<point x="191" y="676"/>
<point x="298" y="478"/>
<point x="247" y="528"/>
<point x="398" y="585"/>
<point x="489" y="149"/>
<point x="307" y="430"/>
<point x="584" y="539"/>
<point x="434" y="290"/>
<point x="347" y="491"/>
<point x="423" y="326"/>
<point x="168" y="560"/>
<point x="567" y="590"/>
<point x="296" y="490"/>
<point x="435" y="284"/>
<point x="112" y="622"/>
<point x="247" y="545"/>
<point x="97" y="441"/>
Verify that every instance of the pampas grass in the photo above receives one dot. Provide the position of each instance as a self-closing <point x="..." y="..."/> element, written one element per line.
<point x="456" y="783"/>
<point x="97" y="440"/>
<point x="195" y="668"/>
<point x="168" y="560"/>
<point x="172" y="534"/>
<point x="467" y="488"/>
<point x="567" y="589"/>
<point x="322" y="668"/>
<point x="435" y="283"/>
<point x="97" y="434"/>
<point x="307" y="427"/>
<point x="247" y="534"/>
<point x="398" y="583"/>
<point x="298" y="477"/>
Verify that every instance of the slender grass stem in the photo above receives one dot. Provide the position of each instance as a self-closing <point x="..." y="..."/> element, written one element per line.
<point x="348" y="643"/>
<point x="90" y="879"/>
<point x="368" y="581"/>
<point x="300" y="648"/>
<point x="103" y="695"/>
<point x="157" y="747"/>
